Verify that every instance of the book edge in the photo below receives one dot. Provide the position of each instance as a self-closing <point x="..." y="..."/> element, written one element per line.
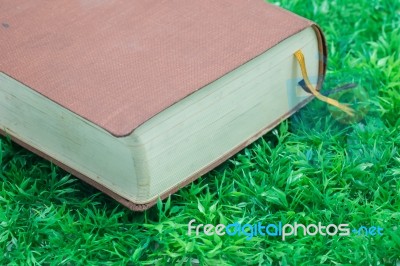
<point x="142" y="207"/>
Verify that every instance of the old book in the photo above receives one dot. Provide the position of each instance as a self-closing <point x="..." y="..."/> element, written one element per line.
<point x="139" y="98"/>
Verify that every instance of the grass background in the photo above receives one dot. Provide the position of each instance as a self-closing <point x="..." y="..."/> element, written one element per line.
<point x="317" y="166"/>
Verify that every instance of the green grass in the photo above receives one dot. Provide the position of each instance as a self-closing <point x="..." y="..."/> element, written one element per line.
<point x="317" y="166"/>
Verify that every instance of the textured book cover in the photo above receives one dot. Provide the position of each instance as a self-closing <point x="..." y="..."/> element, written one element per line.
<point x="117" y="64"/>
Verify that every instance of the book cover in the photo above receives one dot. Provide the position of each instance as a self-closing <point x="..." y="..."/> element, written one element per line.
<point x="116" y="65"/>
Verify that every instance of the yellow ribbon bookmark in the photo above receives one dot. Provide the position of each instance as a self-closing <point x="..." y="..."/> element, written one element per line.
<point x="344" y="107"/>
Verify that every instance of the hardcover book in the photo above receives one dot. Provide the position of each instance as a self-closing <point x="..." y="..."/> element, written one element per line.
<point x="139" y="98"/>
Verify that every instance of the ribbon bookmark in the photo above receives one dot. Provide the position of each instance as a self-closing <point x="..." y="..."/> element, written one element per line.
<point x="344" y="107"/>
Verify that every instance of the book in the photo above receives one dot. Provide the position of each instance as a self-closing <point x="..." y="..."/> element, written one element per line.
<point x="140" y="98"/>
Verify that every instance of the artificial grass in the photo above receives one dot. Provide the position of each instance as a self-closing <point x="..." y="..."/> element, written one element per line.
<point x="318" y="166"/>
